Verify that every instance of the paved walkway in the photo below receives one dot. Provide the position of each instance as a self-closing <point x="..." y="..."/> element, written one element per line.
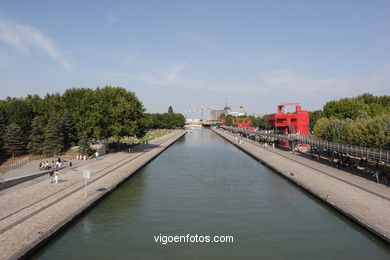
<point x="29" y="214"/>
<point x="365" y="201"/>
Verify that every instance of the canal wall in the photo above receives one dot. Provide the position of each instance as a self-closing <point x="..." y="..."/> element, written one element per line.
<point x="365" y="202"/>
<point x="32" y="215"/>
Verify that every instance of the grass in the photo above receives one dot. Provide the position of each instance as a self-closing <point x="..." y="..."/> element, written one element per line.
<point x="125" y="142"/>
<point x="153" y="134"/>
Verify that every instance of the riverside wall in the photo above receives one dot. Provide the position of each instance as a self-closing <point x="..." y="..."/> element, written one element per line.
<point x="31" y="215"/>
<point x="361" y="200"/>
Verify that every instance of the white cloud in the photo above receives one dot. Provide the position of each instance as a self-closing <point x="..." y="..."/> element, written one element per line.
<point x="377" y="82"/>
<point x="277" y="84"/>
<point x="166" y="77"/>
<point x="24" y="37"/>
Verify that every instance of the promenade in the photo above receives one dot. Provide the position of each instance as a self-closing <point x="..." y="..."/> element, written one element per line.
<point x="364" y="201"/>
<point x="33" y="211"/>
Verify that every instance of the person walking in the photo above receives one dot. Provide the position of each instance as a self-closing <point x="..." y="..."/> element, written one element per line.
<point x="56" y="175"/>
<point x="51" y="174"/>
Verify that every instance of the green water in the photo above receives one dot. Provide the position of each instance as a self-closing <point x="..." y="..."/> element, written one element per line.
<point x="204" y="185"/>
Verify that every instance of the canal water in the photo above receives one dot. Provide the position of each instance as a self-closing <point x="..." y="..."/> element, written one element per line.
<point x="203" y="185"/>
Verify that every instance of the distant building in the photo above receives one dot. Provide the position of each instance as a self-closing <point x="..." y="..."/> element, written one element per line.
<point x="215" y="115"/>
<point x="227" y="110"/>
<point x="241" y="111"/>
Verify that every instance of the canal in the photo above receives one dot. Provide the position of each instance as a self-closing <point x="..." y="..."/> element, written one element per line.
<point x="204" y="185"/>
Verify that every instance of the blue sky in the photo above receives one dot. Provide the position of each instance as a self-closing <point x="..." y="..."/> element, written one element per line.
<point x="188" y="53"/>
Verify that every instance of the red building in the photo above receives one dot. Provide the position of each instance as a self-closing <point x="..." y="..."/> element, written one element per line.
<point x="242" y="123"/>
<point x="290" y="123"/>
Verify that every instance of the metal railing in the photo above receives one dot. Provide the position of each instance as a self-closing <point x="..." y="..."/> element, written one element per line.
<point x="17" y="164"/>
<point x="373" y="154"/>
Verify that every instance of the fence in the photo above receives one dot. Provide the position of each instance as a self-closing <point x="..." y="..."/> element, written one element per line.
<point x="17" y="164"/>
<point x="373" y="154"/>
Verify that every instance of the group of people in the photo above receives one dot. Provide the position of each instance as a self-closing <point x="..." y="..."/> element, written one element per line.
<point x="54" y="165"/>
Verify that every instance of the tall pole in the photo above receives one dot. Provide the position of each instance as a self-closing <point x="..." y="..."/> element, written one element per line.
<point x="201" y="118"/>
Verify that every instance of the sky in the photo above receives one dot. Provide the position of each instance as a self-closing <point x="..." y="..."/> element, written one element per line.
<point x="192" y="53"/>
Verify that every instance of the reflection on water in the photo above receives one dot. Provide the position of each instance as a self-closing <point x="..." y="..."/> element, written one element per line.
<point x="204" y="185"/>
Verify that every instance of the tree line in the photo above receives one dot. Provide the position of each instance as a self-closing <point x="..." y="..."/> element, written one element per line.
<point x="362" y="120"/>
<point x="50" y="125"/>
<point x="164" y="121"/>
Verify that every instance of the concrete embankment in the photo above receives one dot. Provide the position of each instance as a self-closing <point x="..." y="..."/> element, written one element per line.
<point x="31" y="215"/>
<point x="363" y="201"/>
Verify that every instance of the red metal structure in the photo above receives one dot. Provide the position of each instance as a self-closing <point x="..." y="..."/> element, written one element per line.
<point x="242" y="123"/>
<point x="290" y="123"/>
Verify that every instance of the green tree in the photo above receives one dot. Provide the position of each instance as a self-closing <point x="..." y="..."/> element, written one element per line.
<point x="170" y="110"/>
<point x="67" y="129"/>
<point x="314" y="116"/>
<point x="14" y="143"/>
<point x="222" y="116"/>
<point x="229" y="120"/>
<point x="84" y="146"/>
<point x="117" y="113"/>
<point x="165" y="120"/>
<point x="53" y="142"/>
<point x="321" y="127"/>
<point x="180" y="120"/>
<point x="2" y="128"/>
<point x="81" y="104"/>
<point x="37" y="136"/>
<point x="19" y="111"/>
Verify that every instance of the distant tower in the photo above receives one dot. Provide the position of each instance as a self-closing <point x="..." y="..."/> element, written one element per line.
<point x="241" y="111"/>
<point x="227" y="110"/>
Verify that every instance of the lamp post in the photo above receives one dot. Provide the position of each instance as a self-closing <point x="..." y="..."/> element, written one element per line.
<point x="201" y="118"/>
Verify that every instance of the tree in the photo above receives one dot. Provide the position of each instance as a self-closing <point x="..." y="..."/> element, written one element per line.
<point x="222" y="116"/>
<point x="2" y="128"/>
<point x="19" y="111"/>
<point x="321" y="127"/>
<point x="67" y="129"/>
<point x="84" y="147"/>
<point x="82" y="104"/>
<point x="53" y="143"/>
<point x="14" y="143"/>
<point x="170" y="110"/>
<point x="229" y="120"/>
<point x="37" y="136"/>
<point x="117" y="113"/>
<point x="314" y="116"/>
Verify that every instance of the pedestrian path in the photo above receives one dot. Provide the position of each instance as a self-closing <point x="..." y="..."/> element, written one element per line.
<point x="30" y="214"/>
<point x="366" y="202"/>
<point x="32" y="168"/>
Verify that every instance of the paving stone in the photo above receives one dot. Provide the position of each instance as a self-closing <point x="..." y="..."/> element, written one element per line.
<point x="30" y="214"/>
<point x="364" y="201"/>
